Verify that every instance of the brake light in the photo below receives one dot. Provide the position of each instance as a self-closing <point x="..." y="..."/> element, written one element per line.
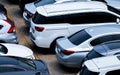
<point x="67" y="52"/>
<point x="31" y="15"/>
<point x="40" y="29"/>
<point x="11" y="30"/>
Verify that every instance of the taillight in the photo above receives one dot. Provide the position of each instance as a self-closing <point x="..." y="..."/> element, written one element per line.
<point x="11" y="30"/>
<point x="31" y="15"/>
<point x="40" y="29"/>
<point x="67" y="52"/>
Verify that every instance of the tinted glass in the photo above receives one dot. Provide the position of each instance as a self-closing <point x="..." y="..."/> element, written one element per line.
<point x="43" y="2"/>
<point x="112" y="46"/>
<point x="79" y="37"/>
<point x="93" y="54"/>
<point x="115" y="72"/>
<point x="27" y="64"/>
<point x="104" y="39"/>
<point x="3" y="49"/>
<point x="10" y="69"/>
<point x="85" y="71"/>
<point x="80" y="18"/>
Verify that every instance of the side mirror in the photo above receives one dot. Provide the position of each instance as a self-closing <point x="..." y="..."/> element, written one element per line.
<point x="118" y="21"/>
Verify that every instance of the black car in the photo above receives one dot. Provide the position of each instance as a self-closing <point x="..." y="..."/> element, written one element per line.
<point x="105" y="49"/>
<point x="17" y="64"/>
<point x="23" y="2"/>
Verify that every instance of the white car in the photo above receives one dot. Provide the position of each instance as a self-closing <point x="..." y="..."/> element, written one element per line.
<point x="109" y="65"/>
<point x="7" y="27"/>
<point x="7" y="49"/>
<point x="70" y="51"/>
<point x="57" y="20"/>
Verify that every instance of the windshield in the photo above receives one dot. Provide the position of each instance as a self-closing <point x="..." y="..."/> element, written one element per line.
<point x="3" y="49"/>
<point x="85" y="71"/>
<point x="43" y="2"/>
<point x="79" y="37"/>
<point x="114" y="45"/>
<point x="26" y="63"/>
<point x="93" y="54"/>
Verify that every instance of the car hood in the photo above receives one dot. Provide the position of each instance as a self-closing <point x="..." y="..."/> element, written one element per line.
<point x="30" y="7"/>
<point x="17" y="50"/>
<point x="114" y="3"/>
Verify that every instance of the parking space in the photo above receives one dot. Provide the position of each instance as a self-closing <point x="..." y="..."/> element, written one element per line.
<point x="24" y="39"/>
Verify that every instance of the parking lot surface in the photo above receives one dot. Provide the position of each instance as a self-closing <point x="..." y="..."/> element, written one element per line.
<point x="24" y="39"/>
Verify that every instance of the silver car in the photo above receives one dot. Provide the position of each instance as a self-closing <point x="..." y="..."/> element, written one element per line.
<point x="7" y="27"/>
<point x="71" y="50"/>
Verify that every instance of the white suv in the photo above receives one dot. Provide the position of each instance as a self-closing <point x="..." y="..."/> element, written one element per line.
<point x="57" y="20"/>
<point x="109" y="65"/>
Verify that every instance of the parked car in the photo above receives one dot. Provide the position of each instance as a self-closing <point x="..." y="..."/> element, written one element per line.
<point x="57" y="20"/>
<point x="17" y="64"/>
<point x="70" y="51"/>
<point x="109" y="65"/>
<point x="105" y="49"/>
<point x="7" y="27"/>
<point x="23" y="2"/>
<point x="7" y="49"/>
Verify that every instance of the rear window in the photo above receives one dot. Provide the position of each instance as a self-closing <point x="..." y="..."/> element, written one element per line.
<point x="79" y="37"/>
<point x="85" y="71"/>
<point x="43" y="2"/>
<point x="112" y="46"/>
<point x="3" y="49"/>
<point x="93" y="54"/>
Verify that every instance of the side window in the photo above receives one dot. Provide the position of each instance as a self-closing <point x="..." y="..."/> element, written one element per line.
<point x="101" y="40"/>
<point x="79" y="18"/>
<point x="116" y="37"/>
<point x="1" y="26"/>
<point x="115" y="72"/>
<point x="9" y="69"/>
<point x="93" y="17"/>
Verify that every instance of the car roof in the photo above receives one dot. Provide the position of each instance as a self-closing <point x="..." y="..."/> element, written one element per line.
<point x="20" y="73"/>
<point x="106" y="48"/>
<point x="71" y="7"/>
<point x="97" y="64"/>
<point x="103" y="29"/>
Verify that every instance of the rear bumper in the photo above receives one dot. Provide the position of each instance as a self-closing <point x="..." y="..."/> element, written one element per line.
<point x="9" y="38"/>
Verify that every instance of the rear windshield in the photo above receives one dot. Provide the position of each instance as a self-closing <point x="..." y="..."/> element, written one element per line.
<point x="26" y="63"/>
<point x="85" y="71"/>
<point x="3" y="49"/>
<point x="43" y="2"/>
<point x="112" y="46"/>
<point x="93" y="54"/>
<point x="79" y="37"/>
